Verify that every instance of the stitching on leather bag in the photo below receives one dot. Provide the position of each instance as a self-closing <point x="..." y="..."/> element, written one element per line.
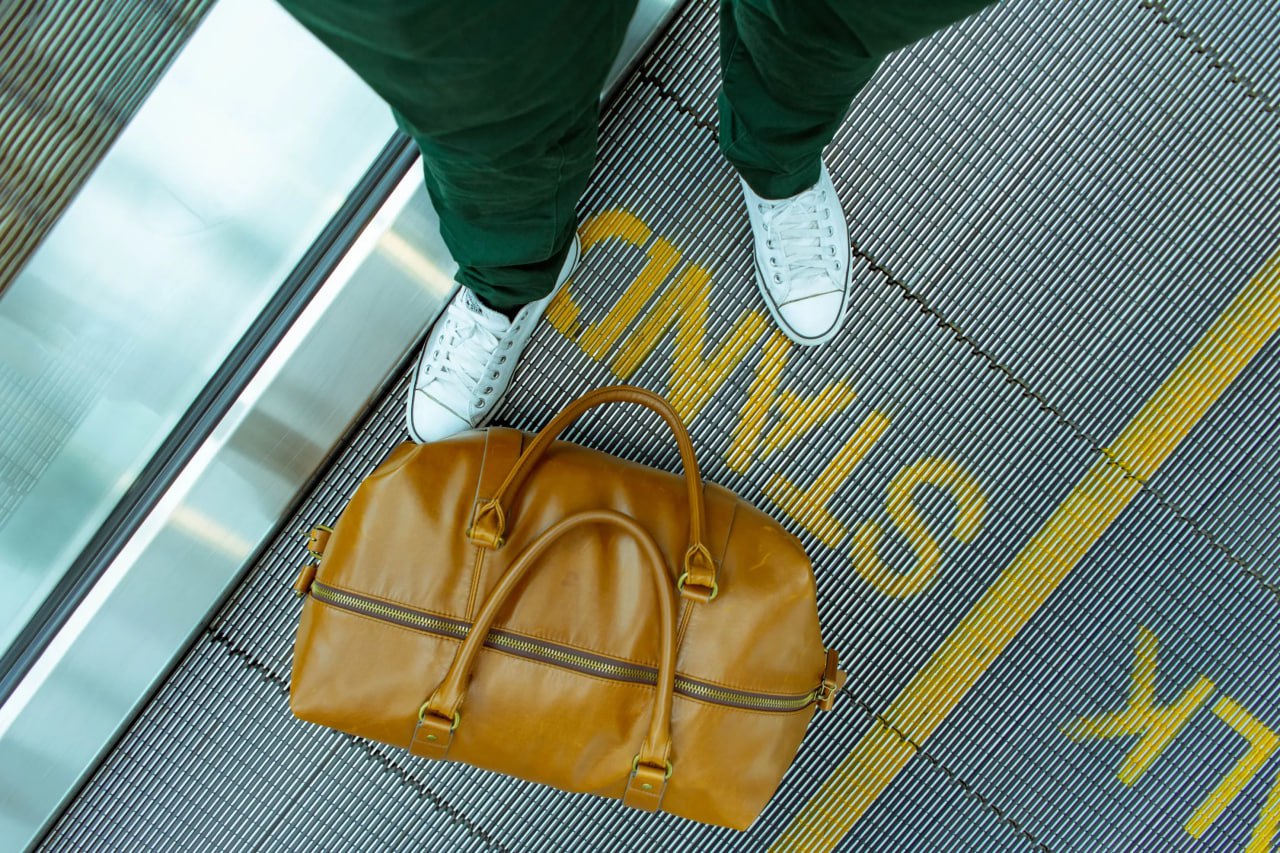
<point x="571" y="645"/>
<point x="734" y="709"/>
<point x="534" y="636"/>
<point x="687" y="615"/>
<point x="733" y="520"/>
<point x="476" y="565"/>
<point x="648" y="688"/>
<point x="393" y="625"/>
<point x="564" y="641"/>
<point x="475" y="503"/>
<point x="751" y="688"/>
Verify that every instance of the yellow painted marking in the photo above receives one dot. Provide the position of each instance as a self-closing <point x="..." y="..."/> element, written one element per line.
<point x="597" y="340"/>
<point x="686" y="305"/>
<point x="1155" y="726"/>
<point x="760" y="399"/>
<point x="563" y="312"/>
<point x="966" y="492"/>
<point x="809" y="506"/>
<point x="1157" y="430"/>
<point x="1268" y="822"/>
<point x="797" y="414"/>
<point x="1263" y="744"/>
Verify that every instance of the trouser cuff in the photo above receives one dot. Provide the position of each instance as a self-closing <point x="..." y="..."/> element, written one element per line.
<point x="771" y="185"/>
<point x="509" y="287"/>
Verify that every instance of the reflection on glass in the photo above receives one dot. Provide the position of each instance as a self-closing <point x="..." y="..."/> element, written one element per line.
<point x="248" y="146"/>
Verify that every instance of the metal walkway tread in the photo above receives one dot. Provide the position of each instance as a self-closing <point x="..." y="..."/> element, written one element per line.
<point x="1050" y="206"/>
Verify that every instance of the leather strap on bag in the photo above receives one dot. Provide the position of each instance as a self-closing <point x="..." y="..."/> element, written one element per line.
<point x="698" y="579"/>
<point x="439" y="717"/>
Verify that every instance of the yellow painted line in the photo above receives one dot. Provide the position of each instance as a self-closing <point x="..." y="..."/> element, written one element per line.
<point x="1149" y="439"/>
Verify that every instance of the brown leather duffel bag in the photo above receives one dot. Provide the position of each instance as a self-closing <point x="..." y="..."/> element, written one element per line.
<point x="509" y="601"/>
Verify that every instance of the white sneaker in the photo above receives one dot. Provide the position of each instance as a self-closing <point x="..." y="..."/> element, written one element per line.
<point x="802" y="260"/>
<point x="466" y="364"/>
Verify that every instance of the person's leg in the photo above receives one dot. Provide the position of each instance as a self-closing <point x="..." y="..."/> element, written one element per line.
<point x="501" y="96"/>
<point x="791" y="69"/>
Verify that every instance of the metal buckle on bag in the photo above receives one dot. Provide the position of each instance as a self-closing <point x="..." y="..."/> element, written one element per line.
<point x="646" y="785"/>
<point x="635" y="765"/>
<point x="423" y="711"/>
<point x="433" y="735"/>
<point x="317" y="539"/>
<point x="714" y="591"/>
<point x="698" y="559"/>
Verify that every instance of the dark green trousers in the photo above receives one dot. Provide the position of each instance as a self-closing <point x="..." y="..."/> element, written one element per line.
<point x="502" y="95"/>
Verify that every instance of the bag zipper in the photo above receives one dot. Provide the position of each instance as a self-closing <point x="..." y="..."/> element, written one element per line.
<point x="558" y="655"/>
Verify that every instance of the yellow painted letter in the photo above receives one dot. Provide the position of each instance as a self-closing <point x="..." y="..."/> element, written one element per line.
<point x="686" y="305"/>
<point x="1262" y="745"/>
<point x="902" y="511"/>
<point x="1156" y="726"/>
<point x="797" y="415"/>
<point x="599" y="338"/>
<point x="809" y="506"/>
<point x="1268" y="822"/>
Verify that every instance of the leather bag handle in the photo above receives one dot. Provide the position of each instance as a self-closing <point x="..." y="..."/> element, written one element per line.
<point x="439" y="715"/>
<point x="698" y="581"/>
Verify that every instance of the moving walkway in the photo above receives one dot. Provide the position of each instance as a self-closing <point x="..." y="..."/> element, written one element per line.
<point x="1038" y="473"/>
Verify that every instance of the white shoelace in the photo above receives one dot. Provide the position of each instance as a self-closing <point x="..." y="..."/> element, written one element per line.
<point x="468" y="336"/>
<point x="796" y="235"/>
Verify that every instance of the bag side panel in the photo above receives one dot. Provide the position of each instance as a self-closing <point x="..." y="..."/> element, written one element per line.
<point x="761" y="632"/>
<point x="402" y="537"/>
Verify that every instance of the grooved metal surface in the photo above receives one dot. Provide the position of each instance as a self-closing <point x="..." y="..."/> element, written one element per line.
<point x="73" y="75"/>
<point x="1050" y="204"/>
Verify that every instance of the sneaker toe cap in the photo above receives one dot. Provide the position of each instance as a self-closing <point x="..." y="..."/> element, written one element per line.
<point x="430" y="421"/>
<point x="813" y="317"/>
